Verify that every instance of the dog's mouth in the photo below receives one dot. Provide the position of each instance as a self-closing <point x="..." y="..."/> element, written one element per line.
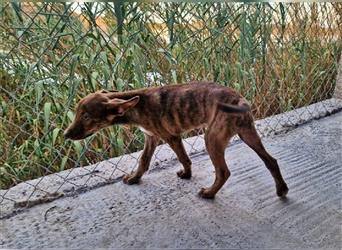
<point x="90" y="134"/>
<point x="83" y="137"/>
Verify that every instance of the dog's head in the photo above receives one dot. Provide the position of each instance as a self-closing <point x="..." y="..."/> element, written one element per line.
<point x="97" y="111"/>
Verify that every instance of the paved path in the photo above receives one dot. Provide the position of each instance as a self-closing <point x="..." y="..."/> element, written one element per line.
<point x="165" y="212"/>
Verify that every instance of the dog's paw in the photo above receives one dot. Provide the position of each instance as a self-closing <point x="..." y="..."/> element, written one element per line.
<point x="130" y="179"/>
<point x="206" y="194"/>
<point x="184" y="175"/>
<point x="282" y="190"/>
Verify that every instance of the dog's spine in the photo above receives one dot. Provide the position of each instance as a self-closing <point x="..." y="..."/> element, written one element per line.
<point x="229" y="108"/>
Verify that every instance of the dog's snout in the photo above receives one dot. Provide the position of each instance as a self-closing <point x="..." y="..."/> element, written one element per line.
<point x="74" y="132"/>
<point x="70" y="132"/>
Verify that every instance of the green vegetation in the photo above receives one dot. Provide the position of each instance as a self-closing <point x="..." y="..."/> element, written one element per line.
<point x="281" y="56"/>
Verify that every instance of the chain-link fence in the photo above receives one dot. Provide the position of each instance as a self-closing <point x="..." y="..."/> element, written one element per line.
<point x="280" y="56"/>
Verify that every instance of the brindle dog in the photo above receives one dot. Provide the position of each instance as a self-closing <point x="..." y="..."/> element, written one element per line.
<point x="167" y="112"/>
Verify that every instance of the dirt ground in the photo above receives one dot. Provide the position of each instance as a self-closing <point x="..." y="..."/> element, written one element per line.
<point x="165" y="211"/>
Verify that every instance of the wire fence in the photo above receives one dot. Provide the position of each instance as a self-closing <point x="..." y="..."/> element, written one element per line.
<point x="280" y="56"/>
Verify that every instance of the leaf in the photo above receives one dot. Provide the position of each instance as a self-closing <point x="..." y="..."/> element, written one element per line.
<point x="94" y="77"/>
<point x="47" y="112"/>
<point x="174" y="76"/>
<point x="120" y="84"/>
<point x="54" y="135"/>
<point x="78" y="147"/>
<point x="70" y="115"/>
<point x="63" y="163"/>
<point x="39" y="92"/>
<point x="17" y="9"/>
<point x="36" y="146"/>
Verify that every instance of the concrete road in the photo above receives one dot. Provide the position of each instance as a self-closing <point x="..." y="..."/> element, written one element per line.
<point x="165" y="212"/>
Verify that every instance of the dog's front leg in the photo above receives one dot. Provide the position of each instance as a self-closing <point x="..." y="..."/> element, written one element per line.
<point x="178" y="147"/>
<point x="151" y="143"/>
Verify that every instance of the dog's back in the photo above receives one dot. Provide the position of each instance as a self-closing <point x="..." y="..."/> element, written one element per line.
<point x="179" y="108"/>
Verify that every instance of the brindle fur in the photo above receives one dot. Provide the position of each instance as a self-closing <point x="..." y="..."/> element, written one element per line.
<point x="167" y="112"/>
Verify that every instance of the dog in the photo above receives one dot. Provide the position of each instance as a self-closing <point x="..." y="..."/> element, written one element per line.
<point x="165" y="113"/>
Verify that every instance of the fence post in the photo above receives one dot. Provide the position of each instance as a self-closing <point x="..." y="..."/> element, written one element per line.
<point x="118" y="5"/>
<point x="338" y="87"/>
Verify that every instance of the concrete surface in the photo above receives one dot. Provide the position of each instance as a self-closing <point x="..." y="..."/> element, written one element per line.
<point x="165" y="212"/>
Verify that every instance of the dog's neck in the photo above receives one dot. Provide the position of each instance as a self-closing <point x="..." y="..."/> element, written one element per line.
<point x="130" y="117"/>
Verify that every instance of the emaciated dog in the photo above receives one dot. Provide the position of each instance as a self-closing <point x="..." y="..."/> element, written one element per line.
<point x="166" y="113"/>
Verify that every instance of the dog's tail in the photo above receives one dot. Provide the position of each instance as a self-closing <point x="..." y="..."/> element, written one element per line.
<point x="230" y="108"/>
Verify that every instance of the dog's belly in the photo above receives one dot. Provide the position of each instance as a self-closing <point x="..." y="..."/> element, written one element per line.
<point x="176" y="129"/>
<point x="172" y="130"/>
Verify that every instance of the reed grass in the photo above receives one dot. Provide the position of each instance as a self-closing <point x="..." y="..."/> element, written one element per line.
<point x="280" y="56"/>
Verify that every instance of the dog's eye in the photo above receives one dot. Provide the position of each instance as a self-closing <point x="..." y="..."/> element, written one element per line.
<point x="85" y="117"/>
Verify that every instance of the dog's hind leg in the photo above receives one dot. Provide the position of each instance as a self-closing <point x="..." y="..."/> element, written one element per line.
<point x="151" y="143"/>
<point x="216" y="140"/>
<point x="250" y="136"/>
<point x="178" y="147"/>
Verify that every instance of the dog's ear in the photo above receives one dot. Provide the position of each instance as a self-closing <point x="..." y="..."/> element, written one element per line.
<point x="119" y="106"/>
